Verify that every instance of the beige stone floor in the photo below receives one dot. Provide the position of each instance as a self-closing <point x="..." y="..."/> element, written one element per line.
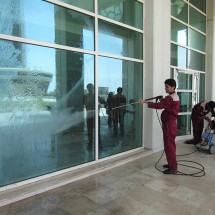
<point x="136" y="188"/>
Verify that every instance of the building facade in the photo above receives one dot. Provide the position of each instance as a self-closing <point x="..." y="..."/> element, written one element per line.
<point x="53" y="50"/>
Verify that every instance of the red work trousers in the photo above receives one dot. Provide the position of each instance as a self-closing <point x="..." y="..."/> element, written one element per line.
<point x="169" y="134"/>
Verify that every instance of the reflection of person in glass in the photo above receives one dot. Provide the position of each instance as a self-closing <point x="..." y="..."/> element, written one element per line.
<point x="198" y="115"/>
<point x="131" y="130"/>
<point x="108" y="107"/>
<point x="89" y="102"/>
<point x="118" y="113"/>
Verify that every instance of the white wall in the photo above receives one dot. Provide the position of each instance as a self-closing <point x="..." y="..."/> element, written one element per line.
<point x="157" y="65"/>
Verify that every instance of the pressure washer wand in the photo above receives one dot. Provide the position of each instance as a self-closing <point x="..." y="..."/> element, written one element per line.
<point x="125" y="105"/>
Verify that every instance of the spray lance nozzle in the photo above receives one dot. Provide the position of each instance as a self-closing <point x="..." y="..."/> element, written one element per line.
<point x="156" y="97"/>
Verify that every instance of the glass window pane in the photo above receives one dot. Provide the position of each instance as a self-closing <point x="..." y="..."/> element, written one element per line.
<point x="184" y="125"/>
<point x="43" y="21"/>
<point x="197" y="20"/>
<point x="129" y="12"/>
<point x="197" y="40"/>
<point x="178" y="56"/>
<point x="202" y="87"/>
<point x="185" y="101"/>
<point x="43" y="120"/>
<point x="121" y="129"/>
<point x="117" y="40"/>
<point x="179" y="10"/>
<point x="171" y="73"/>
<point x="200" y="4"/>
<point x="184" y="81"/>
<point x="86" y="5"/>
<point x="196" y="61"/>
<point x="178" y="32"/>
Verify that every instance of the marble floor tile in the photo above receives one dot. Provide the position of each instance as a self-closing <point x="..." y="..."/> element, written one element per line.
<point x="161" y="185"/>
<point x="188" y="195"/>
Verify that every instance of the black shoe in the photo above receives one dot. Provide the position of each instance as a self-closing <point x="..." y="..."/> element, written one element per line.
<point x="170" y="171"/>
<point x="188" y="142"/>
<point x="166" y="166"/>
<point x="192" y="141"/>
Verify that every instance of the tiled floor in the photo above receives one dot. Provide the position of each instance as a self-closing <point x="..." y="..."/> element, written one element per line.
<point x="136" y="188"/>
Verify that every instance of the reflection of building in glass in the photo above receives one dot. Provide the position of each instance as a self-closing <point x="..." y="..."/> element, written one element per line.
<point x="23" y="82"/>
<point x="13" y="55"/>
<point x="15" y="78"/>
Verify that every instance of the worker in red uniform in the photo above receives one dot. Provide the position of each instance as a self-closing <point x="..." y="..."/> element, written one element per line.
<point x="198" y="115"/>
<point x="171" y="105"/>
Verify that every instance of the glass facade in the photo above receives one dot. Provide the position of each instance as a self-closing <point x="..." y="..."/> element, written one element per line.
<point x="117" y="40"/>
<point x="52" y="76"/>
<point x="202" y="87"/>
<point x="114" y="73"/>
<point x="39" y="20"/>
<point x="178" y="32"/>
<point x="200" y="4"/>
<point x="83" y="4"/>
<point x="42" y="113"/>
<point x="197" y="19"/>
<point x="184" y="125"/>
<point x="188" y="47"/>
<point x="185" y="81"/>
<point x="196" y="60"/>
<point x="116" y="10"/>
<point x="197" y="40"/>
<point x="188" y="35"/>
<point x="179" y="9"/>
<point x="178" y="56"/>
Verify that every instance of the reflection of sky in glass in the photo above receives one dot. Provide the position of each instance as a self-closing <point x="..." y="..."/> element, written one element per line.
<point x="182" y="37"/>
<point x="48" y="16"/>
<point x="182" y="53"/>
<point x="44" y="57"/>
<point x="88" y="70"/>
<point x="110" y="73"/>
<point x="110" y="44"/>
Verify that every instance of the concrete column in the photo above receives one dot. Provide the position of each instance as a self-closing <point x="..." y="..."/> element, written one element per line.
<point x="210" y="51"/>
<point x="157" y="65"/>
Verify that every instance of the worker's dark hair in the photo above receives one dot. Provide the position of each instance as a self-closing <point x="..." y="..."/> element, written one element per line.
<point x="171" y="82"/>
<point x="211" y="104"/>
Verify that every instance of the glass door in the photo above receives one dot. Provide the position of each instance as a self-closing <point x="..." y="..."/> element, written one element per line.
<point x="188" y="91"/>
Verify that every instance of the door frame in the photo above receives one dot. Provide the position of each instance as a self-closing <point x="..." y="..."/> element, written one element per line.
<point x="195" y="94"/>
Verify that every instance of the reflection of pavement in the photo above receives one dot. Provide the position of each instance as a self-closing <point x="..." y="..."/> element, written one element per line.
<point x="111" y="145"/>
<point x="25" y="153"/>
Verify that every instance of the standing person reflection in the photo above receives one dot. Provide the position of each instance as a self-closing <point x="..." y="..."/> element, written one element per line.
<point x="89" y="103"/>
<point x="118" y="112"/>
<point x="108" y="106"/>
